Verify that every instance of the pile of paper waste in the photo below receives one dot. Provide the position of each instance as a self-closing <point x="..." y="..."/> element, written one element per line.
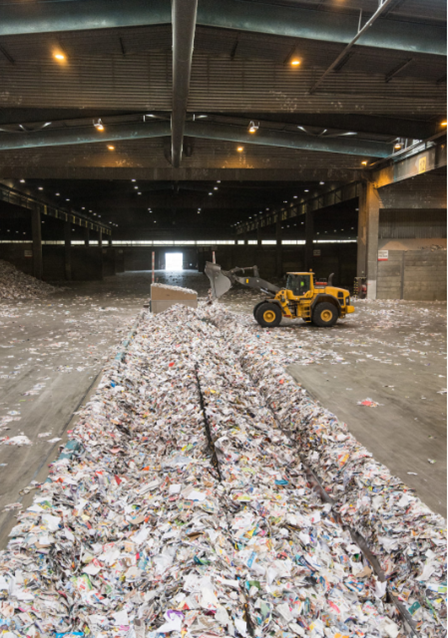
<point x="15" y="284"/>
<point x="175" y="288"/>
<point x="186" y="508"/>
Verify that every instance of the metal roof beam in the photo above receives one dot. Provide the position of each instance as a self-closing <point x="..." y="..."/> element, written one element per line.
<point x="279" y="139"/>
<point x="15" y="197"/>
<point x="427" y="157"/>
<point x="342" y="57"/>
<point x="328" y="26"/>
<point x="83" y="135"/>
<point x="224" y="132"/>
<point x="184" y="27"/>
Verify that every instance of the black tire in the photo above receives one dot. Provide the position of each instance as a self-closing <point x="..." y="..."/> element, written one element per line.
<point x="256" y="307"/>
<point x="325" y="315"/>
<point x="268" y="315"/>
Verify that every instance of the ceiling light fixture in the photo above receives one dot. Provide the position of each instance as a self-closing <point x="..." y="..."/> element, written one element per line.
<point x="240" y="149"/>
<point x="253" y="128"/>
<point x="321" y="183"/>
<point x="41" y="188"/>
<point x="397" y="146"/>
<point x="59" y="56"/>
<point x="110" y="147"/>
<point x="22" y="181"/>
<point x="99" y="125"/>
<point x="364" y="163"/>
<point x="296" y="62"/>
<point x="443" y="123"/>
<point x="306" y="190"/>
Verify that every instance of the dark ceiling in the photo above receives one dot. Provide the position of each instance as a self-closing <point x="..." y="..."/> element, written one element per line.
<point x="380" y="94"/>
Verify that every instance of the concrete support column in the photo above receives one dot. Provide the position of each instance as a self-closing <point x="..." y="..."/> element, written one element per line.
<point x="100" y="238"/>
<point x="368" y="227"/>
<point x="110" y="241"/>
<point x="309" y="236"/>
<point x="68" y="250"/>
<point x="278" y="247"/>
<point x="245" y="237"/>
<point x="86" y="236"/>
<point x="258" y="234"/>
<point x="36" y="231"/>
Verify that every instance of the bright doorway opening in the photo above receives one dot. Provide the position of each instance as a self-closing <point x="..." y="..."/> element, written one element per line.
<point x="174" y="261"/>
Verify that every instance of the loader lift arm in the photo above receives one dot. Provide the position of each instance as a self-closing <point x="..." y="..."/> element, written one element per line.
<point x="222" y="280"/>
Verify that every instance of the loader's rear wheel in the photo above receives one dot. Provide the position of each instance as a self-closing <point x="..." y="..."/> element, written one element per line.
<point x="268" y="315"/>
<point x="325" y="315"/>
<point x="260" y="303"/>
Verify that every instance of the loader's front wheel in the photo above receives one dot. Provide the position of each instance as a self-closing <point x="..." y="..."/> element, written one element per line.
<point x="325" y="315"/>
<point x="268" y="315"/>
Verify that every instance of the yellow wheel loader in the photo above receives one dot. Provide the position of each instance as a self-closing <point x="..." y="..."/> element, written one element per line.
<point x="319" y="303"/>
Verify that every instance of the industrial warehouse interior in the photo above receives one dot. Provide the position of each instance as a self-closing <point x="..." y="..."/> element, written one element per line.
<point x="223" y="285"/>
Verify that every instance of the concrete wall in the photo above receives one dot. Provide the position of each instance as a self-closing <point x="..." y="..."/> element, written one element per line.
<point x="415" y="241"/>
<point x="16" y="254"/>
<point x="86" y="263"/>
<point x="414" y="275"/>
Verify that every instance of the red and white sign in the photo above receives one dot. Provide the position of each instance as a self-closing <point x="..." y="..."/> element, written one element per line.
<point x="383" y="255"/>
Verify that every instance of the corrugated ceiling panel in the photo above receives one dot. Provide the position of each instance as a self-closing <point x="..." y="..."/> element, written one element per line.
<point x="143" y="82"/>
<point x="138" y="82"/>
<point x="220" y="85"/>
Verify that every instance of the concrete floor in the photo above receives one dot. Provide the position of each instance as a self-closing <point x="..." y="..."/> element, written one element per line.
<point x="51" y="352"/>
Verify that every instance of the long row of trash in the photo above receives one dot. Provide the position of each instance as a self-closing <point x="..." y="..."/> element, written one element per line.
<point x="184" y="507"/>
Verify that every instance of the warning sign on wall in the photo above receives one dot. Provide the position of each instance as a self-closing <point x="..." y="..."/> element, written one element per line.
<point x="383" y="255"/>
<point x="316" y="253"/>
<point x="28" y="253"/>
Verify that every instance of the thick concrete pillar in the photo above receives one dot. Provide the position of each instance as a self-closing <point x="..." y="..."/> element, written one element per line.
<point x="36" y="232"/>
<point x="245" y="237"/>
<point x="278" y="246"/>
<point x="100" y="238"/>
<point x="258" y="235"/>
<point x="68" y="250"/>
<point x="368" y="227"/>
<point x="110" y="241"/>
<point x="86" y="236"/>
<point x="309" y="236"/>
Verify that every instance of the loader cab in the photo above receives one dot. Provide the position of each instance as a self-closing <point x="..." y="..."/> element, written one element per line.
<point x="299" y="283"/>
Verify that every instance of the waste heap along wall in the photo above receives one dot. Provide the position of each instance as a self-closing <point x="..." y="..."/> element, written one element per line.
<point x="188" y="508"/>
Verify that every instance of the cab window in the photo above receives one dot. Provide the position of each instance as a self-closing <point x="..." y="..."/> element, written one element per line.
<point x="298" y="284"/>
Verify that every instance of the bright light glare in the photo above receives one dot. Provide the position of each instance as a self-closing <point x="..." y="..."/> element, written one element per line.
<point x="174" y="261"/>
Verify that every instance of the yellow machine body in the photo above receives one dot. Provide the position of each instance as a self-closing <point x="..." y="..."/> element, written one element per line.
<point x="299" y="297"/>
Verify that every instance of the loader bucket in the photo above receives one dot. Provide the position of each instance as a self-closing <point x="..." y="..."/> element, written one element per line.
<point x="219" y="283"/>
